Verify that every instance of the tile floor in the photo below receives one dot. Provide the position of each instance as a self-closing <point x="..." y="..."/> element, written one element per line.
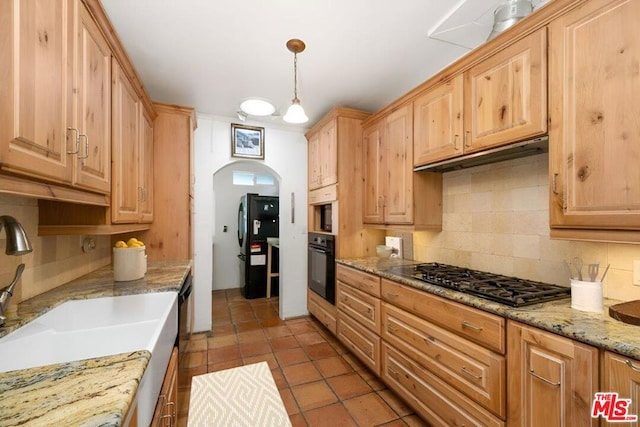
<point x="320" y="381"/>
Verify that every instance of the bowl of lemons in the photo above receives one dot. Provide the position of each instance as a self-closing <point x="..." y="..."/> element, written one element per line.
<point x="129" y="260"/>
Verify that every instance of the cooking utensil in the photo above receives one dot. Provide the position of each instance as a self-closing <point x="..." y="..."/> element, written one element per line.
<point x="605" y="273"/>
<point x="577" y="263"/>
<point x="568" y="267"/>
<point x="593" y="271"/>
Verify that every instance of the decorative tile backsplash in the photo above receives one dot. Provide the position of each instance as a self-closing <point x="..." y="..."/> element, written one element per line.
<point x="54" y="261"/>
<point x="496" y="218"/>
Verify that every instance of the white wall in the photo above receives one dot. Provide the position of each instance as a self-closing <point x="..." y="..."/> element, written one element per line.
<point x="286" y="154"/>
<point x="226" y="198"/>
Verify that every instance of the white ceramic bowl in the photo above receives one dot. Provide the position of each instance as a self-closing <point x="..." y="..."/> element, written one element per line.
<point x="384" y="251"/>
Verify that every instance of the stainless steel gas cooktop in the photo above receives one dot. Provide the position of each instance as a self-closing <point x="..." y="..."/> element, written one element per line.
<point x="503" y="289"/>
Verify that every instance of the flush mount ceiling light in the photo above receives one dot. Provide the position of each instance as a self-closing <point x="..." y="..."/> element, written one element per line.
<point x="257" y="107"/>
<point x="295" y="113"/>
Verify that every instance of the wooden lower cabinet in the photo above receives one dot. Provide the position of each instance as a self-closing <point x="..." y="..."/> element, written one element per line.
<point x="622" y="375"/>
<point x="360" y="341"/>
<point x="322" y="310"/>
<point x="552" y="379"/>
<point x="166" y="413"/>
<point x="477" y="372"/>
<point x="481" y="327"/>
<point x="431" y="397"/>
<point x="362" y="307"/>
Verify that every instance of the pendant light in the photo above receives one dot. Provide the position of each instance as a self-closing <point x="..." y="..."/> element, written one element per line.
<point x="295" y="113"/>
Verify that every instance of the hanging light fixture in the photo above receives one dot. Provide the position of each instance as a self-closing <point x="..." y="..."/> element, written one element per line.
<point x="295" y="113"/>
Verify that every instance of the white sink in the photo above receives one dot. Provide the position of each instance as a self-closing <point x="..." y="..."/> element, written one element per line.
<point x="89" y="328"/>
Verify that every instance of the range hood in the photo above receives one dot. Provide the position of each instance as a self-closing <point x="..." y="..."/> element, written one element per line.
<point x="526" y="148"/>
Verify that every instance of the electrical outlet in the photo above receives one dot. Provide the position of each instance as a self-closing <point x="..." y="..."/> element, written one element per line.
<point x="636" y="272"/>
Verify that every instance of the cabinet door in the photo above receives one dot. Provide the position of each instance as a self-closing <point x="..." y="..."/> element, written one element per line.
<point x="373" y="170"/>
<point x="398" y="177"/>
<point x="622" y="375"/>
<point x="328" y="154"/>
<point x="93" y="89"/>
<point x="594" y="55"/>
<point x="552" y="379"/>
<point x="314" y="162"/>
<point x="125" y="149"/>
<point x="437" y="123"/>
<point x="506" y="95"/>
<point x="166" y="412"/>
<point x="146" y="167"/>
<point x="39" y="107"/>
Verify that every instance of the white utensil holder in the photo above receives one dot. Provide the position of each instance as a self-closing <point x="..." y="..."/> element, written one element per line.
<point x="586" y="296"/>
<point x="129" y="264"/>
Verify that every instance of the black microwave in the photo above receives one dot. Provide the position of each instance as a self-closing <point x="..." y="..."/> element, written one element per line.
<point x="325" y="218"/>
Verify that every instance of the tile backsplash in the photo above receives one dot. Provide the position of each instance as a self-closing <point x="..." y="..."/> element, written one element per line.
<point x="54" y="261"/>
<point x="496" y="218"/>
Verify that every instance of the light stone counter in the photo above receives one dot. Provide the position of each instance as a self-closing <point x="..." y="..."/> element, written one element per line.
<point x="93" y="392"/>
<point x="597" y="329"/>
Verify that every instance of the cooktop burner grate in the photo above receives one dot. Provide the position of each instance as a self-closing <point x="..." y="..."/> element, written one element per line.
<point x="503" y="289"/>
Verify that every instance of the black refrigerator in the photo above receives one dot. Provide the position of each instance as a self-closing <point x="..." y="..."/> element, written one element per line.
<point x="258" y="219"/>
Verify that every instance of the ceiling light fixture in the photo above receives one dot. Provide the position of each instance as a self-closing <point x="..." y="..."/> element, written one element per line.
<point x="295" y="113"/>
<point x="257" y="107"/>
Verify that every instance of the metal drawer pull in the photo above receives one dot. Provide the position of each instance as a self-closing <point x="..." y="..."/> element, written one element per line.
<point x="469" y="373"/>
<point x="86" y="146"/>
<point x="77" y="141"/>
<point x="544" y="379"/>
<point x="389" y="294"/>
<point x="629" y="364"/>
<point x="466" y="324"/>
<point x="430" y="340"/>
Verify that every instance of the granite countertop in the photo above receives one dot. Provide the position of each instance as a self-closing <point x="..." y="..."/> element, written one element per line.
<point x="597" y="329"/>
<point x="93" y="392"/>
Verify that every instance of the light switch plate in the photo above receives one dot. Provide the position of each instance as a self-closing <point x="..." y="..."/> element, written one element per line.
<point x="395" y="243"/>
<point x="636" y="272"/>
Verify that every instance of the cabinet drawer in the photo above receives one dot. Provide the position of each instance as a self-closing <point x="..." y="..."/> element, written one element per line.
<point x="323" y="195"/>
<point x="322" y="310"/>
<point x="483" y="328"/>
<point x="364" y="308"/>
<point x="361" y="341"/>
<point x="358" y="279"/>
<point x="477" y="372"/>
<point x="432" y="398"/>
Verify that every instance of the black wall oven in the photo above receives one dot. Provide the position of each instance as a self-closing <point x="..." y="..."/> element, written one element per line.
<point x="322" y="267"/>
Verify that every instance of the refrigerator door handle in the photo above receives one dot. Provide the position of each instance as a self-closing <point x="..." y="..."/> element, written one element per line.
<point x="242" y="257"/>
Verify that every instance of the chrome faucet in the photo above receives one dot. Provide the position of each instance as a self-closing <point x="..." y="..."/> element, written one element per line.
<point x="17" y="244"/>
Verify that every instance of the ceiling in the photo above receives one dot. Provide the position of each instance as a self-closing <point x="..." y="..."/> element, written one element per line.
<point x="212" y="54"/>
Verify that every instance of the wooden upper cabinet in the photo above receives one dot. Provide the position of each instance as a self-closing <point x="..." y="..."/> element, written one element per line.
<point x="314" y="162"/>
<point x="437" y="123"/>
<point x="146" y="167"/>
<point x="125" y="116"/>
<point x="389" y="181"/>
<point x="373" y="173"/>
<point x="39" y="108"/>
<point x="595" y="131"/>
<point x="506" y="95"/>
<point x="93" y="90"/>
<point x="552" y="379"/>
<point x="398" y="174"/>
<point x="323" y="156"/>
<point x="59" y="121"/>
